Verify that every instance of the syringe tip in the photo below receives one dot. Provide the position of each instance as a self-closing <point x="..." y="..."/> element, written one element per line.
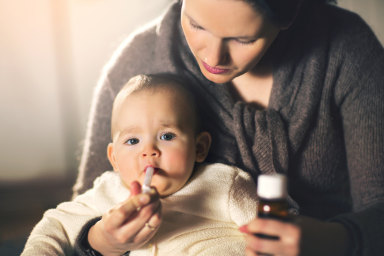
<point x="146" y="188"/>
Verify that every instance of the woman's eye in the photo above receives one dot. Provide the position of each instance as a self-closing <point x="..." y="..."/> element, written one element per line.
<point x="132" y="141"/>
<point x="167" y="136"/>
<point x="244" y="43"/>
<point x="194" y="26"/>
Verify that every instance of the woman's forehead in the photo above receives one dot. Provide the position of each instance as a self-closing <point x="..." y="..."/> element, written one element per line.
<point x="225" y="18"/>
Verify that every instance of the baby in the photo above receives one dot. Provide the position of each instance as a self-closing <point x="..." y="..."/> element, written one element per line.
<point x="155" y="123"/>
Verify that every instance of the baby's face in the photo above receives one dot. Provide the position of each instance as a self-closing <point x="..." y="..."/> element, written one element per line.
<point x="154" y="129"/>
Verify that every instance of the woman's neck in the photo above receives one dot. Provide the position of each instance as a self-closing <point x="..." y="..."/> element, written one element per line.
<point x="255" y="86"/>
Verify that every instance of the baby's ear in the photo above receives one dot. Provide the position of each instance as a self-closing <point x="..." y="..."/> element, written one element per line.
<point x="112" y="158"/>
<point x="203" y="143"/>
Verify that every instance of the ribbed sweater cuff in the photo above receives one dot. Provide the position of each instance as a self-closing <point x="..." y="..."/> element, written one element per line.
<point x="355" y="236"/>
<point x="82" y="247"/>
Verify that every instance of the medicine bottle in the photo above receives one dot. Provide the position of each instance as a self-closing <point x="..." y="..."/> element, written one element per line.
<point x="272" y="193"/>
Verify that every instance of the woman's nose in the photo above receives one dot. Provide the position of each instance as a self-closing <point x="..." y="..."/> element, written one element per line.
<point x="215" y="52"/>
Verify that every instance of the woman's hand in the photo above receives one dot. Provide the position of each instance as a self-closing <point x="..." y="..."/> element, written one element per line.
<point x="124" y="227"/>
<point x="304" y="236"/>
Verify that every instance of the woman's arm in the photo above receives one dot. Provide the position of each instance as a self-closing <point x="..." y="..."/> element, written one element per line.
<point x="362" y="114"/>
<point x="94" y="159"/>
<point x="359" y="93"/>
<point x="304" y="236"/>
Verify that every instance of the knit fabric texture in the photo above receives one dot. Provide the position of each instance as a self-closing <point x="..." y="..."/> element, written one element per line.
<point x="202" y="218"/>
<point x="323" y="126"/>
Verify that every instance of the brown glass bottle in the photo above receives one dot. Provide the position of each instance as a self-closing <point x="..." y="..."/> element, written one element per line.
<point x="274" y="209"/>
<point x="272" y="193"/>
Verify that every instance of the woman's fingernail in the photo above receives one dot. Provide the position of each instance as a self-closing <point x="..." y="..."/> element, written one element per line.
<point x="144" y="199"/>
<point x="244" y="229"/>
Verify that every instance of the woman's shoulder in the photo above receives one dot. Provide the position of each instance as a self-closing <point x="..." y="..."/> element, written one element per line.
<point x="327" y="33"/>
<point x="147" y="50"/>
<point x="328" y="21"/>
<point x="339" y="39"/>
<point x="347" y="31"/>
<point x="356" y="49"/>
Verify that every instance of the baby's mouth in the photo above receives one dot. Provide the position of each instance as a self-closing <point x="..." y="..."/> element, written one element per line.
<point x="155" y="170"/>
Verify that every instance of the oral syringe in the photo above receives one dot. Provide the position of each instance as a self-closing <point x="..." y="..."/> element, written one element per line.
<point x="146" y="188"/>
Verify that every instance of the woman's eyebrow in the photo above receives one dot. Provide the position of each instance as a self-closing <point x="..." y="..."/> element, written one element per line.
<point x="245" y="37"/>
<point x="190" y="19"/>
<point x="230" y="37"/>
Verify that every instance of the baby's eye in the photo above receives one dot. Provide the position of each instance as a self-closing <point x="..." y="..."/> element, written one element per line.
<point x="132" y="141"/>
<point x="167" y="136"/>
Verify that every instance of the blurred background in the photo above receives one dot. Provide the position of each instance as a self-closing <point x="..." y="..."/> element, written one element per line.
<point x="51" y="56"/>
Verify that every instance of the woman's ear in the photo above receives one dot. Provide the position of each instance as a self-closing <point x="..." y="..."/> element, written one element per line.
<point x="112" y="158"/>
<point x="203" y="143"/>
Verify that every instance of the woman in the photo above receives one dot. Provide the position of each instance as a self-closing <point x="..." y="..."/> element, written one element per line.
<point x="286" y="86"/>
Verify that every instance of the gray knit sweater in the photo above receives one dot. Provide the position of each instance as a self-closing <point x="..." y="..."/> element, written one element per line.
<point x="324" y="126"/>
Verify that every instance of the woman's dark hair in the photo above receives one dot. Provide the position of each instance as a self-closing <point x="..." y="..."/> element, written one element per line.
<point x="282" y="12"/>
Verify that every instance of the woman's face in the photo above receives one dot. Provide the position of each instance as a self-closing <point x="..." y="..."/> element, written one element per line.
<point x="227" y="37"/>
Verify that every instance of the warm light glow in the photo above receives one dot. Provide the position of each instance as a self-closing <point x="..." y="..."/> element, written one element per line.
<point x="52" y="53"/>
<point x="266" y="208"/>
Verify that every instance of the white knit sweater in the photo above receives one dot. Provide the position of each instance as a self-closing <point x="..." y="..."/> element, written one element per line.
<point x="202" y="218"/>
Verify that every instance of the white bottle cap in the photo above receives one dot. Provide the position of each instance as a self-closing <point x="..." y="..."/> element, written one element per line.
<point x="272" y="186"/>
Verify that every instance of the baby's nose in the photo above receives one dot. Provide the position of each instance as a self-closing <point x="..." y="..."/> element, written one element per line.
<point x="151" y="151"/>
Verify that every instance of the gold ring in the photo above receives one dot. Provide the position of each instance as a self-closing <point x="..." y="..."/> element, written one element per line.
<point x="148" y="226"/>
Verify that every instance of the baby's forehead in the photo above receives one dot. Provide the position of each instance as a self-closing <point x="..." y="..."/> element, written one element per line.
<point x="174" y="93"/>
<point x="179" y="98"/>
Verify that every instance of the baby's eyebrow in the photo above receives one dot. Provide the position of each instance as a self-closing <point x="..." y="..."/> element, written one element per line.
<point x="168" y="124"/>
<point x="130" y="130"/>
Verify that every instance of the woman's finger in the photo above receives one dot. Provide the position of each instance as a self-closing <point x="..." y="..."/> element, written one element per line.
<point x="250" y="252"/>
<point x="135" y="230"/>
<point x="273" y="247"/>
<point x="135" y="188"/>
<point x="147" y="228"/>
<point x="287" y="236"/>
<point x="272" y="227"/>
<point x="128" y="218"/>
<point x="149" y="213"/>
<point x="125" y="211"/>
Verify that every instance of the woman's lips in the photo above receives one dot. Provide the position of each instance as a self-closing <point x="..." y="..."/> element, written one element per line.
<point x="214" y="70"/>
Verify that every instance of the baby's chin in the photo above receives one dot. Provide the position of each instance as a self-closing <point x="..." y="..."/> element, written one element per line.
<point x="167" y="192"/>
<point x="164" y="194"/>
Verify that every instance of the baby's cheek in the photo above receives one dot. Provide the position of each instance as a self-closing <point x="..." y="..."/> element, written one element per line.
<point x="127" y="179"/>
<point x="130" y="176"/>
<point x="178" y="159"/>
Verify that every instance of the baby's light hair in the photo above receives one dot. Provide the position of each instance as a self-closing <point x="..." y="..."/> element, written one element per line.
<point x="156" y="83"/>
